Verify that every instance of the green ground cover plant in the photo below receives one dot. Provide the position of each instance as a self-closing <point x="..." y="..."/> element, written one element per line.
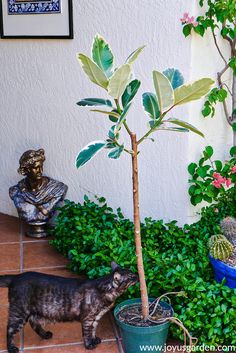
<point x="176" y="259"/>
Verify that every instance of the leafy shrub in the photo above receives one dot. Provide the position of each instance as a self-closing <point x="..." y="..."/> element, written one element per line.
<point x="210" y="179"/>
<point x="175" y="258"/>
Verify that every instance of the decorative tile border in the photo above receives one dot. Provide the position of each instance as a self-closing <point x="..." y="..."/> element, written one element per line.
<point x="21" y="7"/>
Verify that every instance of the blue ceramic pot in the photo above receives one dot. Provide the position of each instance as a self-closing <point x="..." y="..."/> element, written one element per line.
<point x="222" y="270"/>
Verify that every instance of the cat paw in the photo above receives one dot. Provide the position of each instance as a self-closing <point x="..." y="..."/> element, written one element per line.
<point x="97" y="340"/>
<point x="90" y="345"/>
<point x="47" y="335"/>
<point x="13" y="349"/>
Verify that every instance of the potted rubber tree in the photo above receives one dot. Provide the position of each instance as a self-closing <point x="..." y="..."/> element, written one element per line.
<point x="169" y="92"/>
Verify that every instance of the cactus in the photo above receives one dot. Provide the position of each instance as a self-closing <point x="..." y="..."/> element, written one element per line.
<point x="214" y="239"/>
<point x="228" y="226"/>
<point x="220" y="247"/>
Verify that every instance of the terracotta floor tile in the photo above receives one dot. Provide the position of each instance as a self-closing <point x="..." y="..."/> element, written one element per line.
<point x="174" y="346"/>
<point x="10" y="232"/>
<point x="106" y="347"/>
<point x="3" y="328"/>
<point x="41" y="255"/>
<point x="7" y="218"/>
<point x="69" y="332"/>
<point x="9" y="257"/>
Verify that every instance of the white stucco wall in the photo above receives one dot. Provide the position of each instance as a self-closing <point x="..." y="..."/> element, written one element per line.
<point x="41" y="81"/>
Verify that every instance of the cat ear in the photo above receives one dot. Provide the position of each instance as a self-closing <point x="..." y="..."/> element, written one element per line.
<point x="114" y="266"/>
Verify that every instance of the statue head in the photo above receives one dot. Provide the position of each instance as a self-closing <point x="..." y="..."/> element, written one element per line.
<point x="31" y="164"/>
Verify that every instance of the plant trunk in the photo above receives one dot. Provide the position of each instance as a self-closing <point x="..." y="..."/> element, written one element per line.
<point x="137" y="231"/>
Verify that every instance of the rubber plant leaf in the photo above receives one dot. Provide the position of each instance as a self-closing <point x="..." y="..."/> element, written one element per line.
<point x="95" y="74"/>
<point x="114" y="114"/>
<point x="94" y="102"/>
<point x="130" y="92"/>
<point x="119" y="81"/>
<point x="164" y="91"/>
<point x="150" y="105"/>
<point x="134" y="55"/>
<point x="185" y="125"/>
<point x="192" y="91"/>
<point x="175" y="77"/>
<point x="116" y="152"/>
<point x="122" y="117"/>
<point x="88" y="152"/>
<point x="102" y="55"/>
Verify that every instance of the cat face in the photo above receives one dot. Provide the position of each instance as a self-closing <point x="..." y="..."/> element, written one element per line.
<point x="122" y="278"/>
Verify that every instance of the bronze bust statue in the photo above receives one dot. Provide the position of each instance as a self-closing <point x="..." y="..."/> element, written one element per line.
<point x="36" y="196"/>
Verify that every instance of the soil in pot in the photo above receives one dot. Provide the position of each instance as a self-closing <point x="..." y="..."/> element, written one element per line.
<point x="132" y="314"/>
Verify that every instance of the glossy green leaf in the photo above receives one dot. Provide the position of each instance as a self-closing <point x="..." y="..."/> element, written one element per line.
<point x="114" y="114"/>
<point x="134" y="55"/>
<point x="114" y="118"/>
<point x="119" y="81"/>
<point x="130" y="92"/>
<point x="123" y="117"/>
<point x="233" y="151"/>
<point x="193" y="91"/>
<point x="116" y="152"/>
<point x="88" y="152"/>
<point x="94" y="102"/>
<point x="192" y="168"/>
<point x="95" y="74"/>
<point x="208" y="152"/>
<point x="164" y="91"/>
<point x="218" y="165"/>
<point x="185" y="125"/>
<point x="150" y="105"/>
<point x="102" y="55"/>
<point x="175" y="77"/>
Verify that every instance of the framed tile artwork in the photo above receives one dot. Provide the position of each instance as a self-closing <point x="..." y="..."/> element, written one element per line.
<point x="49" y="19"/>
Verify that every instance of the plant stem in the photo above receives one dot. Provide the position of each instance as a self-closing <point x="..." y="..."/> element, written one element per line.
<point x="234" y="107"/>
<point x="137" y="228"/>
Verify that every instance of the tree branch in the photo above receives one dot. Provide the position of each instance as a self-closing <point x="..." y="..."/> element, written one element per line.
<point x="217" y="46"/>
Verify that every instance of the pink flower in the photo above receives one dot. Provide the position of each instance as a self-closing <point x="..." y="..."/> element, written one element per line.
<point x="185" y="17"/>
<point x="191" y="19"/>
<point x="188" y="20"/>
<point x="216" y="184"/>
<point x="219" y="178"/>
<point x="233" y="170"/>
<point x="216" y="175"/>
<point x="228" y="182"/>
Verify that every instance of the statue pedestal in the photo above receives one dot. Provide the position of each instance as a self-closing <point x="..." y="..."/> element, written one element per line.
<point x="37" y="230"/>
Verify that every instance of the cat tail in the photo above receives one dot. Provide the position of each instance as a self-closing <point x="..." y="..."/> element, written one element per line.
<point x="6" y="280"/>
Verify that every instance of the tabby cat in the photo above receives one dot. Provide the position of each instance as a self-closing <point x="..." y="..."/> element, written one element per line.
<point x="37" y="298"/>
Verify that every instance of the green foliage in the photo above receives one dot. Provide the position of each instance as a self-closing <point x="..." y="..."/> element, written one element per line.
<point x="130" y="92"/>
<point x="175" y="258"/>
<point x="169" y="91"/>
<point x="102" y="55"/>
<point x="219" y="18"/>
<point x="220" y="248"/>
<point x="150" y="105"/>
<point x="204" y="175"/>
<point x="88" y="152"/>
<point x="94" y="102"/>
<point x="175" y="77"/>
<point x="216" y="95"/>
